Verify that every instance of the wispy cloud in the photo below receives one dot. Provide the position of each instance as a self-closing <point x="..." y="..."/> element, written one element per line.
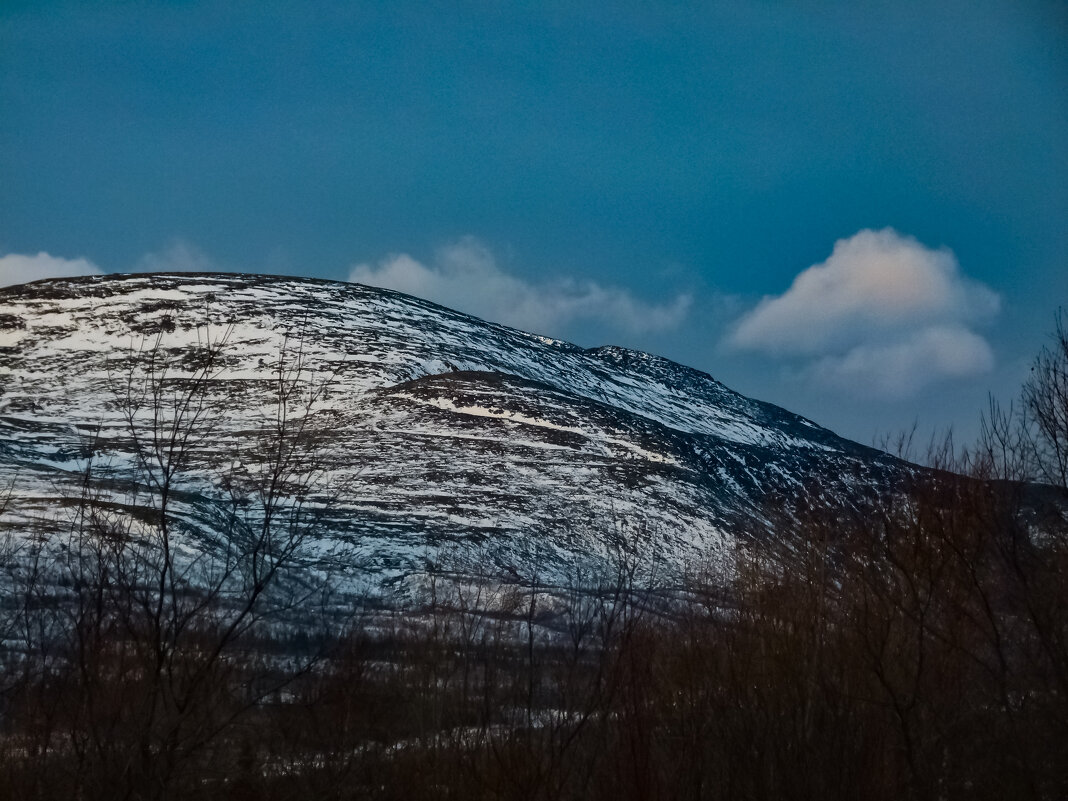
<point x="883" y="315"/>
<point x="179" y="256"/>
<point x="466" y="276"/>
<point x="17" y="268"/>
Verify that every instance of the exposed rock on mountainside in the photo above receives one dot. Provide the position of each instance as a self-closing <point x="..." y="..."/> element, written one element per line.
<point x="431" y="428"/>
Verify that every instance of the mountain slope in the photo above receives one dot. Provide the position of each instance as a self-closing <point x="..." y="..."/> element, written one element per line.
<point x="432" y="430"/>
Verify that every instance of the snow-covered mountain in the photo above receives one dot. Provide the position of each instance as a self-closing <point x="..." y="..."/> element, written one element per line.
<point x="432" y="430"/>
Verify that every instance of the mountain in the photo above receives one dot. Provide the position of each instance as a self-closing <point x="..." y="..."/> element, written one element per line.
<point x="433" y="433"/>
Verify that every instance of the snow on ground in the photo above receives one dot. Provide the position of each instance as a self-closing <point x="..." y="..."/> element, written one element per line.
<point x="593" y="438"/>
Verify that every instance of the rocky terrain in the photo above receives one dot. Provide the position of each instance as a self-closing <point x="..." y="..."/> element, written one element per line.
<point x="424" y="433"/>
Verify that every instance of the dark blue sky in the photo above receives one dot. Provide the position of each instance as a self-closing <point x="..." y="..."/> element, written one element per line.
<point x="640" y="175"/>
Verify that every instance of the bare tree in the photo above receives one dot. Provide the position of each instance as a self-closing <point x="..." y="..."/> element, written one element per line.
<point x="160" y="596"/>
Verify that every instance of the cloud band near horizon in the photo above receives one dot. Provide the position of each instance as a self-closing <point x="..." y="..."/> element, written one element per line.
<point x="466" y="276"/>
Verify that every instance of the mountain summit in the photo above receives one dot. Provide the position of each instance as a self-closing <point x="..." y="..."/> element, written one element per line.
<point x="424" y="431"/>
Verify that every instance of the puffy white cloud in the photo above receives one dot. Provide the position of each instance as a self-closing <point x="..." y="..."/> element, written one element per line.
<point x="901" y="367"/>
<point x="465" y="276"/>
<point x="16" y="268"/>
<point x="883" y="315"/>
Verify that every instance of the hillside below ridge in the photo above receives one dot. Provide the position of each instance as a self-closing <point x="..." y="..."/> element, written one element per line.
<point x="441" y="430"/>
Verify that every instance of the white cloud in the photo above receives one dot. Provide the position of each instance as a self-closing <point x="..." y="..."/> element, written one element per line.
<point x="883" y="315"/>
<point x="466" y="276"/>
<point x="16" y="268"/>
<point x="178" y="257"/>
<point x="901" y="367"/>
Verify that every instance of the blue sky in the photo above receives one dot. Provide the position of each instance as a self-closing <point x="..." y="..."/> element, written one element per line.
<point x="673" y="178"/>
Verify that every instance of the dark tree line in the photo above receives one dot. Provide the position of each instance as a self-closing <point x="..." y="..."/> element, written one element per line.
<point x="918" y="650"/>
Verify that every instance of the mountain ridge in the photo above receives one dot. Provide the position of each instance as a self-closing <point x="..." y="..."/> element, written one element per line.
<point x="445" y="429"/>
